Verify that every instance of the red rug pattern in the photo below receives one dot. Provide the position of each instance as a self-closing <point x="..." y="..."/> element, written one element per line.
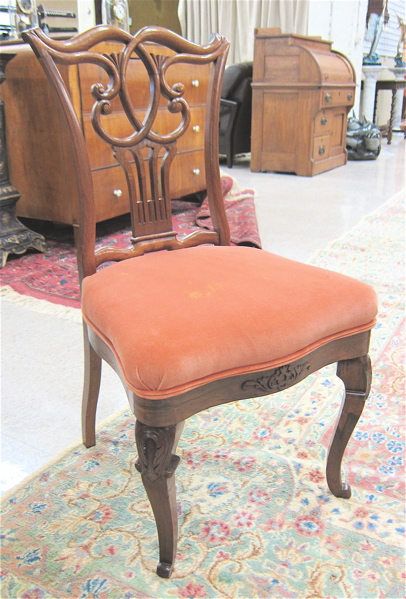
<point x="53" y="276"/>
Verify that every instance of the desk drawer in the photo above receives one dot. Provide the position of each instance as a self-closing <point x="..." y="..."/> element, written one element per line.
<point x="194" y="77"/>
<point x="337" y="97"/>
<point x="321" y="148"/>
<point x="101" y="154"/>
<point x="187" y="174"/>
<point x="110" y="193"/>
<point x="110" y="186"/>
<point x="323" y="123"/>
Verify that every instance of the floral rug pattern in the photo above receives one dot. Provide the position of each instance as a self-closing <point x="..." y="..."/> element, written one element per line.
<point x="256" y="518"/>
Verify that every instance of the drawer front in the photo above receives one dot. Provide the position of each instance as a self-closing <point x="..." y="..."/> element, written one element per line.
<point x="323" y="123"/>
<point x="321" y="148"/>
<point x="110" y="187"/>
<point x="110" y="193"/>
<point x="187" y="174"/>
<point x="101" y="154"/>
<point x="194" y="77"/>
<point x="337" y="97"/>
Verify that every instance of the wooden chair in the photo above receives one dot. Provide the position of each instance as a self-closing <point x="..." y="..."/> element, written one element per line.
<point x="265" y="322"/>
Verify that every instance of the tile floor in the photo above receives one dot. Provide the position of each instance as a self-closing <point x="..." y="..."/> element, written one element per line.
<point x="42" y="354"/>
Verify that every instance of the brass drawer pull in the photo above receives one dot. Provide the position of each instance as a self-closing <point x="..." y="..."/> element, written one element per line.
<point x="322" y="150"/>
<point x="196" y="171"/>
<point x="323" y="120"/>
<point x="118" y="193"/>
<point x="328" y="98"/>
<point x="196" y="128"/>
<point x="195" y="83"/>
<point x="349" y="97"/>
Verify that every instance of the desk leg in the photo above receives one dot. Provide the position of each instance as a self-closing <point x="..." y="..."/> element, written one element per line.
<point x="375" y="106"/>
<point x="392" y="112"/>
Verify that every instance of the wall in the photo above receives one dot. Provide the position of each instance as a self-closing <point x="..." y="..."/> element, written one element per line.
<point x="84" y="10"/>
<point x="342" y="22"/>
<point x="237" y="19"/>
<point x="154" y="12"/>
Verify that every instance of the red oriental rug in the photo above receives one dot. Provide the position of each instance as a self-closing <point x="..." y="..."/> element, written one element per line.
<point x="53" y="276"/>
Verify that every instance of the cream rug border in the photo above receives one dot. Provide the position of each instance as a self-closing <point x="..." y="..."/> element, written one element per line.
<point x="59" y="456"/>
<point x="397" y="197"/>
<point x="7" y="294"/>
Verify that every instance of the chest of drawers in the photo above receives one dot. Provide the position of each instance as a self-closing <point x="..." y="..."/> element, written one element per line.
<point x="40" y="162"/>
<point x="302" y="93"/>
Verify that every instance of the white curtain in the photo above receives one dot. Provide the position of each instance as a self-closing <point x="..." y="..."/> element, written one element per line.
<point x="237" y="19"/>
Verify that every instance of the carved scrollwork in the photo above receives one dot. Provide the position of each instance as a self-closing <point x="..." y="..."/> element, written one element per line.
<point x="154" y="445"/>
<point x="281" y="378"/>
<point x="116" y="66"/>
<point x="77" y="51"/>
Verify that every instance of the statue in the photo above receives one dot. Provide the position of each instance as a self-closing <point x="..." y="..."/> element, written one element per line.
<point x="377" y="17"/>
<point x="363" y="141"/>
<point x="399" y="62"/>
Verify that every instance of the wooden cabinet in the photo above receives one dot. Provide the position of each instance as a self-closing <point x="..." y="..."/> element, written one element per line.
<point x="40" y="160"/>
<point x="302" y="93"/>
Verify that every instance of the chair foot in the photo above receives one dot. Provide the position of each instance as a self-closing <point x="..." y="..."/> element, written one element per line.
<point x="91" y="387"/>
<point x="164" y="570"/>
<point x="356" y="375"/>
<point x="157" y="465"/>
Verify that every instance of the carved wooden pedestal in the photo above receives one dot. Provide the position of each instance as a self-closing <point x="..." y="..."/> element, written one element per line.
<point x="15" y="238"/>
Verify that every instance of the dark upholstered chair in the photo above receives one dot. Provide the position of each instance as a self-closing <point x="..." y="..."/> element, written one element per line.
<point x="235" y="111"/>
<point x="264" y="322"/>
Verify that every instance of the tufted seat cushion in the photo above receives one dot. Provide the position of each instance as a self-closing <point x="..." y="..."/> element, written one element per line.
<point x="175" y="320"/>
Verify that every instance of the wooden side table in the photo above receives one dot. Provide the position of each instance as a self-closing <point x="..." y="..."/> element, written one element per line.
<point x="394" y="86"/>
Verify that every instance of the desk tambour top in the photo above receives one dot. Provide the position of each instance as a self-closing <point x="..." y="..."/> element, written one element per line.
<point x="298" y="60"/>
<point x="302" y="92"/>
<point x="40" y="160"/>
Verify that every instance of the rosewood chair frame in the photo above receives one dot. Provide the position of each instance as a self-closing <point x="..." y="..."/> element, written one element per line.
<point x="160" y="422"/>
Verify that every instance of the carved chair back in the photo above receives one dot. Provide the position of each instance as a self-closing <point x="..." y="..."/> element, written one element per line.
<point x="144" y="140"/>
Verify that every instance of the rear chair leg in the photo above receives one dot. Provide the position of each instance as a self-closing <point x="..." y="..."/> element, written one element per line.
<point x="356" y="375"/>
<point x="91" y="387"/>
<point x="157" y="464"/>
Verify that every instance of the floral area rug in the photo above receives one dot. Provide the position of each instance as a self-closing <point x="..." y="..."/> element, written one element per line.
<point x="53" y="275"/>
<point x="256" y="517"/>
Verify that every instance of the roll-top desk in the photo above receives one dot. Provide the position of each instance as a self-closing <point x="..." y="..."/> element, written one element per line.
<point x="40" y="163"/>
<point x="302" y="93"/>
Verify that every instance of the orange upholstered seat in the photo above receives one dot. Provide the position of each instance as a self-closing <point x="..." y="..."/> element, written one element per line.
<point x="186" y="321"/>
<point x="175" y="320"/>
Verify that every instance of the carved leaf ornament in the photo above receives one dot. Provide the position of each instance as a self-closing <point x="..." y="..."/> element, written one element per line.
<point x="155" y="460"/>
<point x="282" y="378"/>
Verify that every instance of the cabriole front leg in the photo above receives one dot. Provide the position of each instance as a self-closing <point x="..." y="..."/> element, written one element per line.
<point x="157" y="465"/>
<point x="91" y="388"/>
<point x="356" y="375"/>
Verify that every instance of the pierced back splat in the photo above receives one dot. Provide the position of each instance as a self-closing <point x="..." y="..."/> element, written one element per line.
<point x="145" y="145"/>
